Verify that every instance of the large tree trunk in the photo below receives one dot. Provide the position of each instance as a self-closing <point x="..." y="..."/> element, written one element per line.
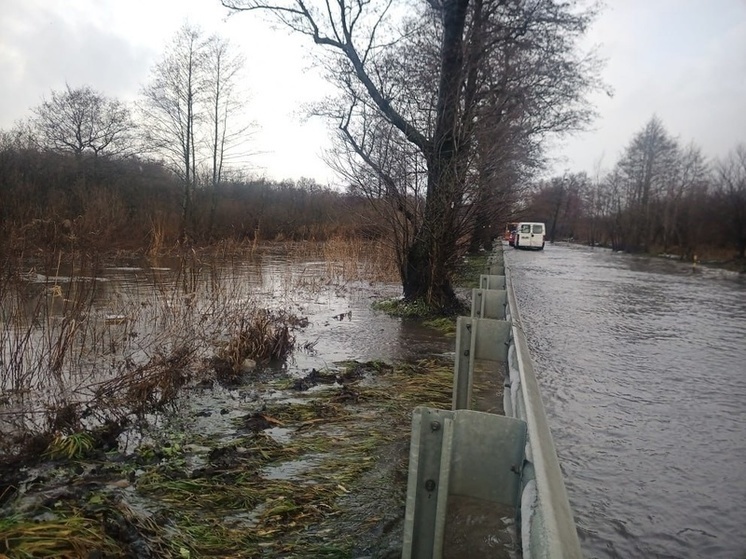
<point x="433" y="251"/>
<point x="431" y="256"/>
<point x="482" y="234"/>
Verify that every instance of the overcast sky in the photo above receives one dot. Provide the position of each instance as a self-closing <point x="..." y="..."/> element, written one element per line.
<point x="683" y="60"/>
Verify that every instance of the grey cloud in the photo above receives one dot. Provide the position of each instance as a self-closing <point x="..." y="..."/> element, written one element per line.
<point x="38" y="54"/>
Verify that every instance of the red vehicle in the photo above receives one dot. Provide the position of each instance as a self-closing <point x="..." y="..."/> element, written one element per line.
<point x="509" y="235"/>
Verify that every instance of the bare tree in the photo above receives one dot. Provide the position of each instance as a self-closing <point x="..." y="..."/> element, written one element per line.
<point x="686" y="185"/>
<point x="169" y="110"/>
<point x="731" y="186"/>
<point x="424" y="78"/>
<point x="190" y="110"/>
<point x="390" y="174"/>
<point x="645" y="169"/>
<point x="222" y="71"/>
<point x="82" y="120"/>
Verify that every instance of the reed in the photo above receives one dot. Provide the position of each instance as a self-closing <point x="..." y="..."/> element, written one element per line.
<point x="70" y="365"/>
<point x="157" y="238"/>
<point x="263" y="335"/>
<point x="355" y="259"/>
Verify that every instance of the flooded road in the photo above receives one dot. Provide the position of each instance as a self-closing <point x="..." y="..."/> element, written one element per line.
<point x="642" y="367"/>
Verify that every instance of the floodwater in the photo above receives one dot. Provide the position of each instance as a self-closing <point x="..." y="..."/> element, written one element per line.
<point x="138" y="305"/>
<point x="642" y="367"/>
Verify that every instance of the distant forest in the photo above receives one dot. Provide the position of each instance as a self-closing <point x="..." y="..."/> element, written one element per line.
<point x="57" y="201"/>
<point x="80" y="175"/>
<point x="659" y="198"/>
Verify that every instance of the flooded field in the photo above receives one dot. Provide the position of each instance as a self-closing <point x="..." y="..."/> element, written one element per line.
<point x="296" y="457"/>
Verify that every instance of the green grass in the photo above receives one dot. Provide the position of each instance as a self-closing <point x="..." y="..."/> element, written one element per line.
<point x="404" y="309"/>
<point x="470" y="268"/>
<point x="70" y="447"/>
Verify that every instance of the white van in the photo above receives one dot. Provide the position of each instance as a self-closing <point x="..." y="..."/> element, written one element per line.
<point x="530" y="235"/>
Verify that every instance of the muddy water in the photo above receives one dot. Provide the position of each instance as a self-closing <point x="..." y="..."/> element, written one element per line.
<point x="642" y="367"/>
<point x="131" y="300"/>
<point x="139" y="307"/>
<point x="341" y="323"/>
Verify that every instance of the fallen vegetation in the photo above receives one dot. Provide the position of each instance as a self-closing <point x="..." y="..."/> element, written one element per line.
<point x="255" y="495"/>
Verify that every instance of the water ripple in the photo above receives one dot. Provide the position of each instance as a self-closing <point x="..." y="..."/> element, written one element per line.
<point x="642" y="366"/>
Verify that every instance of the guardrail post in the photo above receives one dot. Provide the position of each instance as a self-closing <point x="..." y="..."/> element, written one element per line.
<point x="489" y="303"/>
<point x="497" y="256"/>
<point x="425" y="507"/>
<point x="496" y="269"/>
<point x="461" y="453"/>
<point x="476" y="338"/>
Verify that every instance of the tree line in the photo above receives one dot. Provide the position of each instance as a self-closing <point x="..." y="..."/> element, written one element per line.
<point x="659" y="197"/>
<point x="53" y="201"/>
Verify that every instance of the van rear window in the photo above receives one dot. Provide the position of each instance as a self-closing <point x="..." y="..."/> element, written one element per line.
<point x="538" y="229"/>
<point x="525" y="228"/>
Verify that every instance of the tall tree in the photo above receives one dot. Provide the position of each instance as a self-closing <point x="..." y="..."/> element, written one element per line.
<point x="222" y="71"/>
<point x="423" y="89"/>
<point x="169" y="110"/>
<point x="81" y="120"/>
<point x="191" y="110"/>
<point x="731" y="186"/>
<point x="645" y="168"/>
<point x="682" y="193"/>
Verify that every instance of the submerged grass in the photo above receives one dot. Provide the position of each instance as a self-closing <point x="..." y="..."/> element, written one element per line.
<point x="232" y="508"/>
<point x="404" y="309"/>
<point x="352" y="439"/>
<point x="71" y="536"/>
<point x="445" y="325"/>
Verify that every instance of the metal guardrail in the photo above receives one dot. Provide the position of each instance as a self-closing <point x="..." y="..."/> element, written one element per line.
<point x="504" y="459"/>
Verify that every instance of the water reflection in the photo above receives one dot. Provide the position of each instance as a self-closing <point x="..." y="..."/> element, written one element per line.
<point x="127" y="307"/>
<point x="642" y="364"/>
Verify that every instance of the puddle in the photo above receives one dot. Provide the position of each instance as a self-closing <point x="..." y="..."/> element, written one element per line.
<point x="282" y="435"/>
<point x="292" y="471"/>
